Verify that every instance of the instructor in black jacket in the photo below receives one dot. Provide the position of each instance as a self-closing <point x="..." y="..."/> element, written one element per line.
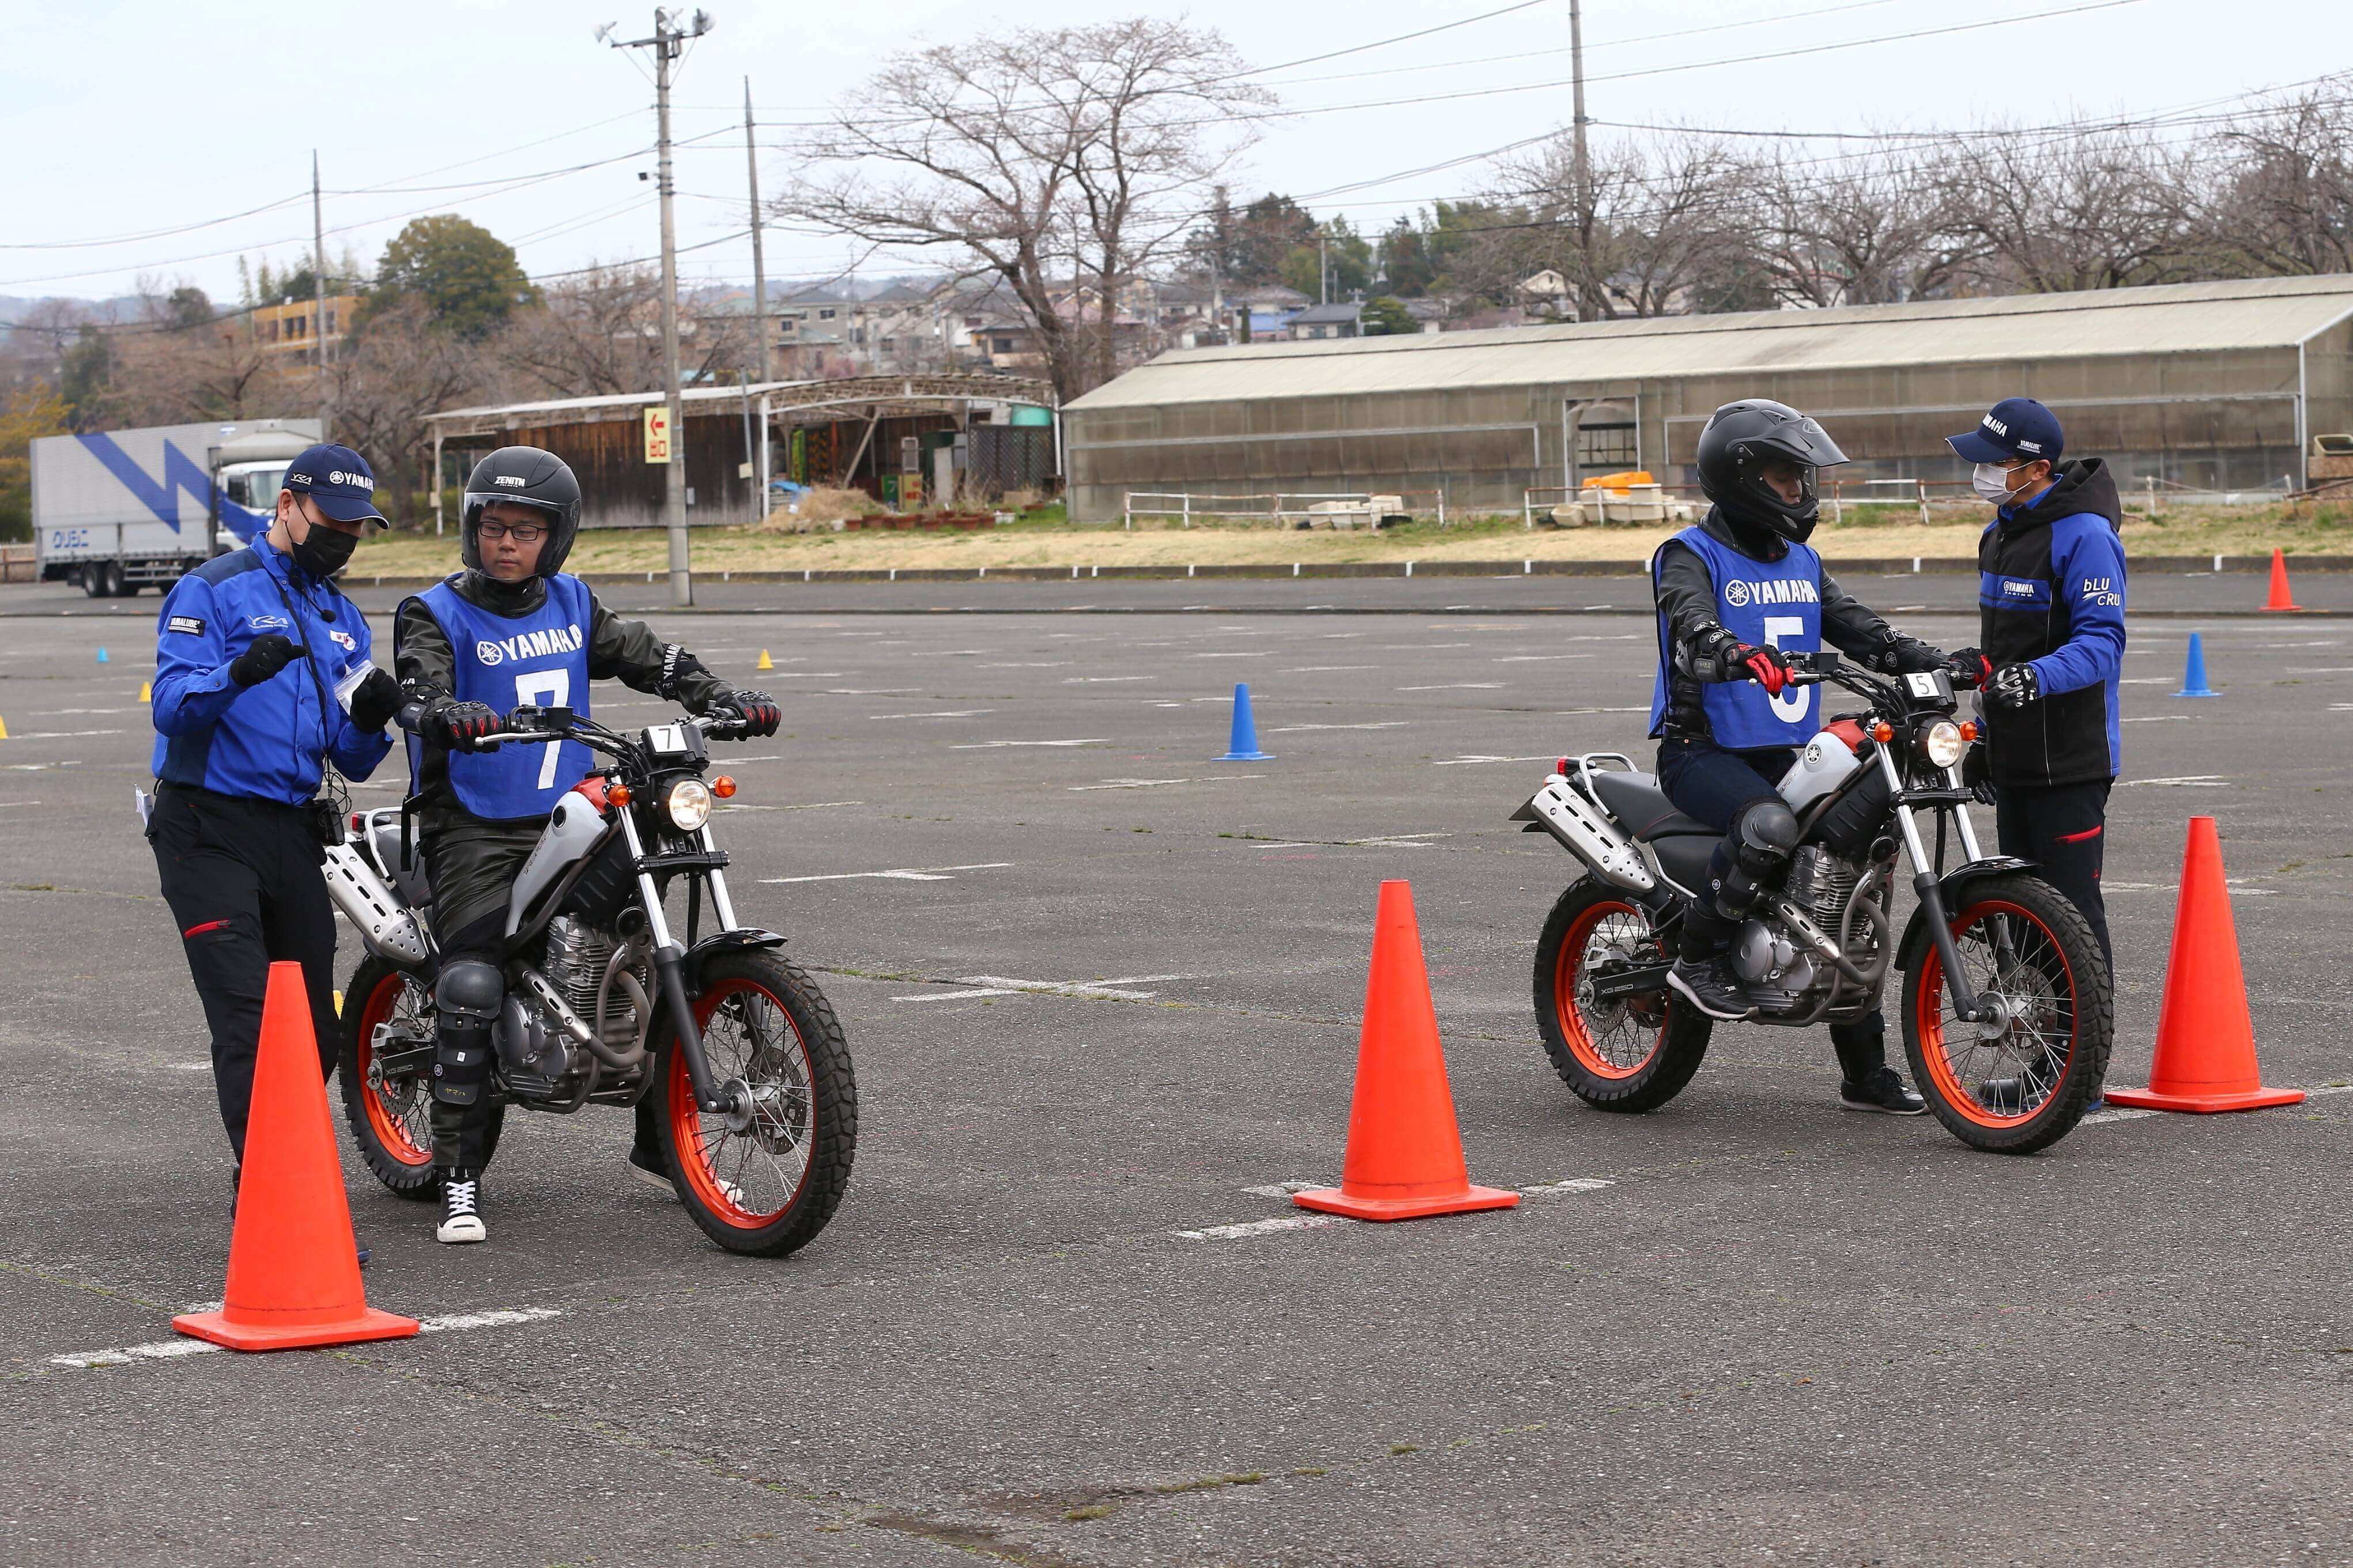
<point x="2051" y="604"/>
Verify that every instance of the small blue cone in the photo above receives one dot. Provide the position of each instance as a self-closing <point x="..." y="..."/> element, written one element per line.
<point x="1243" y="747"/>
<point x="101" y="656"/>
<point x="2193" y="676"/>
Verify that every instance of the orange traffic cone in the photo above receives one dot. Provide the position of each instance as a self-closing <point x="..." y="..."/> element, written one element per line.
<point x="2205" y="1037"/>
<point x="2279" y="599"/>
<point x="293" y="1272"/>
<point x="1405" y="1152"/>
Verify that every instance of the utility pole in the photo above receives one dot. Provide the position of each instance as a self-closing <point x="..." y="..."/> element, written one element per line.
<point x="759" y="314"/>
<point x="669" y="43"/>
<point x="1583" y="174"/>
<point x="1323" y="268"/>
<point x="319" y="296"/>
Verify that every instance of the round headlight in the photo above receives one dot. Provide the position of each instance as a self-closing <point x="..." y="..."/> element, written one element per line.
<point x="688" y="803"/>
<point x="1943" y="745"/>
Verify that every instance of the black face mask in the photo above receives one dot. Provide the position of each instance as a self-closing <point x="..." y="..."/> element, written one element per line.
<point x="324" y="551"/>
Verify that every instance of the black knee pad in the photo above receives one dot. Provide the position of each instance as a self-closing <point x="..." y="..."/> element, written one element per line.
<point x="1767" y="833"/>
<point x="467" y="1000"/>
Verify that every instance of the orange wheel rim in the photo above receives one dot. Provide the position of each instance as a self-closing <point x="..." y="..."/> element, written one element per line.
<point x="751" y="1168"/>
<point x="390" y="1129"/>
<point x="2038" y="1064"/>
<point x="1620" y="1054"/>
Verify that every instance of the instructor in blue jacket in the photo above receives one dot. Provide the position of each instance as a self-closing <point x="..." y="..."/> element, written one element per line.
<point x="262" y="676"/>
<point x="2051" y="606"/>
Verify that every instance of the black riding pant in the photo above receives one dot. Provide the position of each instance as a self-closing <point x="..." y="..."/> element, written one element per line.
<point x="2064" y="829"/>
<point x="1710" y="784"/>
<point x="242" y="878"/>
<point x="473" y="867"/>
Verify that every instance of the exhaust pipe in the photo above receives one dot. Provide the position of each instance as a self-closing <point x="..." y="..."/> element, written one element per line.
<point x="1585" y="833"/>
<point x="388" y="926"/>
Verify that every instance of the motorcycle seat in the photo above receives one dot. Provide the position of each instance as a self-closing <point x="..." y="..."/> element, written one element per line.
<point x="1642" y="808"/>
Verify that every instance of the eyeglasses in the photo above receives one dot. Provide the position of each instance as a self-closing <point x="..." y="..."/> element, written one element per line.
<point x="521" y="532"/>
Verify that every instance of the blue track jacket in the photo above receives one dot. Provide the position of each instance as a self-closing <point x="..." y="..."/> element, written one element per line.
<point x="267" y="741"/>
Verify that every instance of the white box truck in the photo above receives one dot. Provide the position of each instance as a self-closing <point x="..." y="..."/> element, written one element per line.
<point x="119" y="510"/>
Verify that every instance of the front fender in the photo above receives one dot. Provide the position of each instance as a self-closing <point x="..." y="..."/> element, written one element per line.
<point x="1956" y="883"/>
<point x="748" y="939"/>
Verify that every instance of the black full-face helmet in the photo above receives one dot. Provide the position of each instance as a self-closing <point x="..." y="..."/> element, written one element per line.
<point x="532" y="477"/>
<point x="1740" y="440"/>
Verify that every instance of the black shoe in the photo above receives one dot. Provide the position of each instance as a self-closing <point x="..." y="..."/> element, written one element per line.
<point x="237" y="1184"/>
<point x="647" y="1166"/>
<point x="461" y="1214"/>
<point x="1708" y="985"/>
<point x="1884" y="1091"/>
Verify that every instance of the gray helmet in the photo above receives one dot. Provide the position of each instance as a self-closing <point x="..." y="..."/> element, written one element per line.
<point x="530" y="478"/>
<point x="1740" y="440"/>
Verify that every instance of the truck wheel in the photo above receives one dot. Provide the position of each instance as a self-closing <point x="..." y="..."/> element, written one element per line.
<point x="116" y="588"/>
<point x="93" y="582"/>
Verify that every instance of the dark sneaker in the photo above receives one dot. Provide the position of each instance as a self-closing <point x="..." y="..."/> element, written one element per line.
<point x="462" y="1213"/>
<point x="647" y="1166"/>
<point x="237" y="1184"/>
<point x="1884" y="1091"/>
<point x="2012" y="1096"/>
<point x="1709" y="985"/>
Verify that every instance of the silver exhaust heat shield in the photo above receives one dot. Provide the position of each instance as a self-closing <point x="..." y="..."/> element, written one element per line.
<point x="383" y="922"/>
<point x="1587" y="833"/>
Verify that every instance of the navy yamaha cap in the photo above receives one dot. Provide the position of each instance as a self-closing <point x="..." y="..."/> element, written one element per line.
<point x="339" y="483"/>
<point x="2014" y="428"/>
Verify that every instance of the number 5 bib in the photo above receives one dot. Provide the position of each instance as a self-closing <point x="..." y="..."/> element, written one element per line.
<point x="1766" y="604"/>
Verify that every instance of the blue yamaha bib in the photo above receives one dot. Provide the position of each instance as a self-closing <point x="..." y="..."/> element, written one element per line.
<point x="541" y="658"/>
<point x="1766" y="604"/>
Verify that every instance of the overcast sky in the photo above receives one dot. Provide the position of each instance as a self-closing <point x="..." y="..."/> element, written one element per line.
<point x="128" y="117"/>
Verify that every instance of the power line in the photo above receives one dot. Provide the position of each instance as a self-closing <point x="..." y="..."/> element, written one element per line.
<point x="1385" y="43"/>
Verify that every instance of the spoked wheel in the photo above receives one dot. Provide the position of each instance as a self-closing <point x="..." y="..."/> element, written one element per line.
<point x="2019" y="1079"/>
<point x="1631" y="1050"/>
<point x="391" y="1111"/>
<point x="764" y="1175"/>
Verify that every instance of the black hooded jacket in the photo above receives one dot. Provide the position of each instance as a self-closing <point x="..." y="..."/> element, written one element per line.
<point x="2051" y="592"/>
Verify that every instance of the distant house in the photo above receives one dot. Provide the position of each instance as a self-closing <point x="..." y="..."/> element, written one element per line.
<point x="1328" y="321"/>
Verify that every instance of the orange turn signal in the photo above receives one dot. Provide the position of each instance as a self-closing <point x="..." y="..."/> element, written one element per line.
<point x="1969" y="730"/>
<point x="618" y="795"/>
<point x="1883" y="732"/>
<point x="723" y="787"/>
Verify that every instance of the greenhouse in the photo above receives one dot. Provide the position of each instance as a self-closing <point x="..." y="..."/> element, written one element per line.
<point x="2206" y="386"/>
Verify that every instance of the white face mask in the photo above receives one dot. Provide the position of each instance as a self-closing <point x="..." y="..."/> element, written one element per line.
<point x="1991" y="481"/>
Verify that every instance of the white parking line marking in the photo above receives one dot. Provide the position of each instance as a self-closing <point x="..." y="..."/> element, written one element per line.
<point x="1261" y="1226"/>
<point x="173" y="1350"/>
<point x="63" y="734"/>
<point x="2155" y="719"/>
<point x="802" y="805"/>
<point x="1575" y="1184"/>
<point x="1458" y="686"/>
<point x="903" y="874"/>
<point x="959" y="995"/>
<point x="2182" y="781"/>
<point x="1153" y="783"/>
<point x="2099" y="1116"/>
<point x="1537" y="657"/>
<point x="1295" y="729"/>
<point x="1458" y="761"/>
<point x="1101" y="993"/>
<point x="993" y="745"/>
<point x="1103" y="680"/>
<point x="943" y="713"/>
<point x="76" y="712"/>
<point x="1262" y="653"/>
<point x="1328" y="668"/>
<point x="1283" y="1189"/>
<point x="38" y="767"/>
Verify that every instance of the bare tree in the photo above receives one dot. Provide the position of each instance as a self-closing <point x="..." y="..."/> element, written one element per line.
<point x="599" y="332"/>
<point x="1864" y="230"/>
<point x="1043" y="158"/>
<point x="1661" y="218"/>
<point x="395" y="371"/>
<point x="2284" y="203"/>
<point x="2045" y="215"/>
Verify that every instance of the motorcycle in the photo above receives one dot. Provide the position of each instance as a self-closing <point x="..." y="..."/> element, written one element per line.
<point x="2005" y="1002"/>
<point x="743" y="1060"/>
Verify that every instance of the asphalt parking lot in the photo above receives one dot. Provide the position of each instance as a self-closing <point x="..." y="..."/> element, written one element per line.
<point x="1101" y="990"/>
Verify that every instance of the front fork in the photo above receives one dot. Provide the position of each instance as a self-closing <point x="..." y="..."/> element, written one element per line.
<point x="669" y="973"/>
<point x="1929" y="889"/>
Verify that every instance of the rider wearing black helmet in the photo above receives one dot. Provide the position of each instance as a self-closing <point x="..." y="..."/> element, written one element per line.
<point x="511" y="629"/>
<point x="1734" y="595"/>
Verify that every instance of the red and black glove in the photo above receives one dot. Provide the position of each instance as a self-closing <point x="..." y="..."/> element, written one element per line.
<point x="1969" y="668"/>
<point x="758" y="711"/>
<point x="1765" y="666"/>
<point x="460" y="726"/>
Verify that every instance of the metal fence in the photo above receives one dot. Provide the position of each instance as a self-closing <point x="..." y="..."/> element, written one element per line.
<point x="1371" y="506"/>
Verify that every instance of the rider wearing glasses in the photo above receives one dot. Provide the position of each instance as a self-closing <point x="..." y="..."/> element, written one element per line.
<point x="510" y="629"/>
<point x="1735" y="595"/>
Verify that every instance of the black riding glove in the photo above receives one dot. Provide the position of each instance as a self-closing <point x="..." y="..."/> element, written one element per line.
<point x="757" y="709"/>
<point x="375" y="701"/>
<point x="1969" y="668"/>
<point x="2015" y="685"/>
<point x="460" y="726"/>
<point x="269" y="653"/>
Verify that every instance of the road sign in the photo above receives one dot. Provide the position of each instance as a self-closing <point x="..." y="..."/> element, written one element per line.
<point x="658" y="434"/>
